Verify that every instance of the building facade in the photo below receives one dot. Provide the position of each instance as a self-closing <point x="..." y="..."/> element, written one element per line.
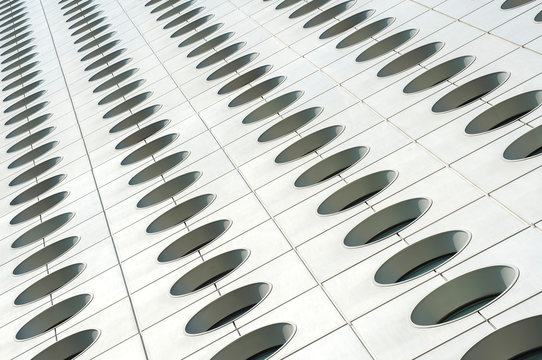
<point x="297" y="179"/>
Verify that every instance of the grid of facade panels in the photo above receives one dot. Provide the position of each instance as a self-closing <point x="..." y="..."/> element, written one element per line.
<point x="253" y="179"/>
